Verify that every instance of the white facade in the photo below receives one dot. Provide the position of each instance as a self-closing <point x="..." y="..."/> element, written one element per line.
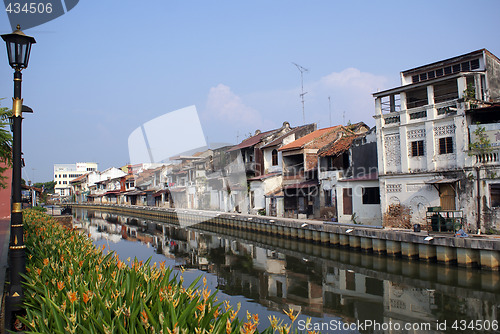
<point x="423" y="135"/>
<point x="64" y="173"/>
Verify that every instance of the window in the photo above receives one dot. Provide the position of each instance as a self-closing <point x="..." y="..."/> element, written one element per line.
<point x="275" y="157"/>
<point x="495" y="195"/>
<point x="445" y="145"/>
<point x="328" y="198"/>
<point x="417" y="148"/>
<point x="371" y="195"/>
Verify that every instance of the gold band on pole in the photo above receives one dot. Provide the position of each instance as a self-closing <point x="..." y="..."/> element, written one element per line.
<point x="17" y="107"/>
<point x="17" y="247"/>
<point x="17" y="225"/>
<point x="16" y="208"/>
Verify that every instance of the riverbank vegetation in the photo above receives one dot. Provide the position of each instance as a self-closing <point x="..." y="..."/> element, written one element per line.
<point x="74" y="287"/>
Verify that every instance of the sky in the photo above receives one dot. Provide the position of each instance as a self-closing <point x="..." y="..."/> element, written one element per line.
<point x="105" y="68"/>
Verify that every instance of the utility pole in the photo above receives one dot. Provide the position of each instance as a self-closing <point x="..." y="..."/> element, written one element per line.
<point x="302" y="70"/>
<point x="330" y="109"/>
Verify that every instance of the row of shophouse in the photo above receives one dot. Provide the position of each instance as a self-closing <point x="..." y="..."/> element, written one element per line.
<point x="435" y="143"/>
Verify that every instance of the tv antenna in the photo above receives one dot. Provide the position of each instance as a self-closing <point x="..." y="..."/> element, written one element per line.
<point x="302" y="70"/>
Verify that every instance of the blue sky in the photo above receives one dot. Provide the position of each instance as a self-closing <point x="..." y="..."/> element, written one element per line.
<point x="106" y="67"/>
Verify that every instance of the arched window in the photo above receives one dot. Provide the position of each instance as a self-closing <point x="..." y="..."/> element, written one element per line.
<point x="275" y="157"/>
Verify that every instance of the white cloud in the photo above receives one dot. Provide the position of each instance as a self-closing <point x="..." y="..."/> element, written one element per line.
<point x="350" y="91"/>
<point x="224" y="105"/>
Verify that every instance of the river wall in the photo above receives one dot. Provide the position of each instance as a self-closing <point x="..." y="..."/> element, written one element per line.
<point x="470" y="252"/>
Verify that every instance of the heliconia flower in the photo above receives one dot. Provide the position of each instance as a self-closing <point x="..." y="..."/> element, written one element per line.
<point x="291" y="315"/>
<point x="144" y="317"/>
<point x="86" y="296"/>
<point x="72" y="296"/>
<point x="46" y="262"/>
<point x="60" y="285"/>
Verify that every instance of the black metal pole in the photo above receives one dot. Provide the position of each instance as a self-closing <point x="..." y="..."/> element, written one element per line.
<point x="17" y="257"/>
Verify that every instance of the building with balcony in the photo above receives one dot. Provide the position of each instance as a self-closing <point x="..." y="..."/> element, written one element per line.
<point x="301" y="185"/>
<point x="64" y="173"/>
<point x="424" y="136"/>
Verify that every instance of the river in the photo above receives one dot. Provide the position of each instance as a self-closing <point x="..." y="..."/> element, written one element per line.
<point x="340" y="291"/>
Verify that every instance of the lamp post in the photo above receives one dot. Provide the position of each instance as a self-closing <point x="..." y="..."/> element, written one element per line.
<point x="18" y="51"/>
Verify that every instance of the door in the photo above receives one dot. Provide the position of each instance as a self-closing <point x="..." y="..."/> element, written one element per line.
<point x="447" y="197"/>
<point x="347" y="201"/>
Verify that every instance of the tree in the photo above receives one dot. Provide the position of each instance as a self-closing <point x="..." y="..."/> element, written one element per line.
<point x="482" y="144"/>
<point x="5" y="144"/>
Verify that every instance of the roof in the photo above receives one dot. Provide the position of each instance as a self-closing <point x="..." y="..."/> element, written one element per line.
<point x="264" y="176"/>
<point x="450" y="60"/>
<point x="306" y="184"/>
<point x="366" y="177"/>
<point x="337" y="147"/>
<point x="442" y="181"/>
<point x="312" y="137"/>
<point x="134" y="192"/>
<point x="278" y="192"/>
<point x="78" y="179"/>
<point x="280" y="139"/>
<point x="254" y="140"/>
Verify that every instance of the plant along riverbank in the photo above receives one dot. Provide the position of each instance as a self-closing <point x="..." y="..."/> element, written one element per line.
<point x="73" y="287"/>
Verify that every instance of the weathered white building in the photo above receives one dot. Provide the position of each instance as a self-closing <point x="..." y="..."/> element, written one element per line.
<point x="423" y="143"/>
<point x="64" y="173"/>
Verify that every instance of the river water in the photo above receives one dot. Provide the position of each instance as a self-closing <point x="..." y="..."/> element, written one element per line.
<point x="341" y="291"/>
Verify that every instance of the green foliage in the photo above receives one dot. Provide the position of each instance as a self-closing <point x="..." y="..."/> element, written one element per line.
<point x="72" y="287"/>
<point x="5" y="144"/>
<point x="47" y="186"/>
<point x="482" y="145"/>
<point x="470" y="93"/>
<point x="39" y="209"/>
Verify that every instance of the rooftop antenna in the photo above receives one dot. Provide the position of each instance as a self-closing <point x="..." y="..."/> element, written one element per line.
<point x="343" y="118"/>
<point x="302" y="70"/>
<point x="330" y="109"/>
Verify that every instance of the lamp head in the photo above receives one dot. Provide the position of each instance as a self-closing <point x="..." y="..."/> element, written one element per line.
<point x="18" y="48"/>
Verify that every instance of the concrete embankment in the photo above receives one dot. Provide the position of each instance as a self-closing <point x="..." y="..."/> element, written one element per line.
<point x="471" y="252"/>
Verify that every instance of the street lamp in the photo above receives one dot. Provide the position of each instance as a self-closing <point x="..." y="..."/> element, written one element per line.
<point x="18" y="51"/>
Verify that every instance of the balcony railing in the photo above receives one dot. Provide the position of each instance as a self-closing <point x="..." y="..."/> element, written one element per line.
<point x="485" y="158"/>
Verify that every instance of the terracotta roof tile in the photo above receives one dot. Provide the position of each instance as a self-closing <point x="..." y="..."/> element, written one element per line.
<point x="254" y="140"/>
<point x="337" y="147"/>
<point x="311" y="140"/>
<point x="78" y="179"/>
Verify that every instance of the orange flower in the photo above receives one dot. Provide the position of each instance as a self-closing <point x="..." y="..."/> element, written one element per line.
<point x="60" y="285"/>
<point x="200" y="307"/>
<point x="45" y="262"/>
<point x="72" y="297"/>
<point x="291" y="315"/>
<point x="144" y="317"/>
<point x="86" y="296"/>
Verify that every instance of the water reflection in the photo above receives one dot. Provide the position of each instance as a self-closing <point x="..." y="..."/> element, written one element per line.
<point x="269" y="274"/>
